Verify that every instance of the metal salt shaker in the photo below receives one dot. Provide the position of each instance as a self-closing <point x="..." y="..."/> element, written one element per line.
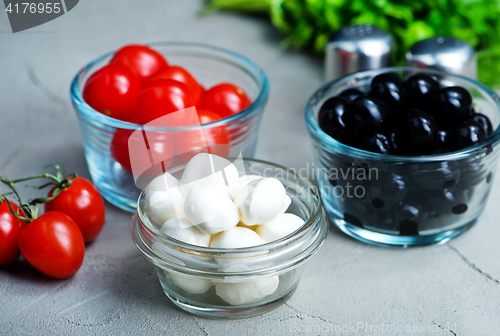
<point x="356" y="48"/>
<point x="444" y="53"/>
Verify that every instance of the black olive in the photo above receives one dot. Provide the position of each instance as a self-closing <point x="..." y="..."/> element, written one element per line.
<point x="452" y="105"/>
<point x="415" y="136"/>
<point x="420" y="89"/>
<point x="387" y="191"/>
<point x="388" y="88"/>
<point x="409" y="215"/>
<point x="351" y="94"/>
<point x="367" y="115"/>
<point x="330" y="117"/>
<point x="442" y="142"/>
<point x="467" y="134"/>
<point x="484" y="121"/>
<point x="387" y="78"/>
<point x="454" y="202"/>
<point x="377" y="143"/>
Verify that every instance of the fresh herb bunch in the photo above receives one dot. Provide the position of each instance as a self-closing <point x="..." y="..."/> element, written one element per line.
<point x="309" y="23"/>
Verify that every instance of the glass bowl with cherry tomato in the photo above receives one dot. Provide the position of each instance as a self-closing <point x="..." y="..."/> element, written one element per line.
<point x="122" y="91"/>
<point x="404" y="156"/>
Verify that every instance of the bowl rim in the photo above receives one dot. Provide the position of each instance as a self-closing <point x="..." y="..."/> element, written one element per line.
<point x="88" y="112"/>
<point x="334" y="144"/>
<point x="314" y="217"/>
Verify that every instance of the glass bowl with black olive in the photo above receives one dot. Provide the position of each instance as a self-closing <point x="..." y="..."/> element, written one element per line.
<point x="404" y="156"/>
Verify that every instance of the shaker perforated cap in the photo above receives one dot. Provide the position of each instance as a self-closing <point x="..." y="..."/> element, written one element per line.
<point x="444" y="53"/>
<point x="356" y="48"/>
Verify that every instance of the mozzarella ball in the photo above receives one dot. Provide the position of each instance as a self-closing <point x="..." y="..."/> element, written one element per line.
<point x="162" y="183"/>
<point x="246" y="179"/>
<point x="247" y="292"/>
<point x="279" y="227"/>
<point x="182" y="229"/>
<point x="288" y="201"/>
<point x="211" y="210"/>
<point x="189" y="283"/>
<point x="243" y="186"/>
<point x="236" y="268"/>
<point x="163" y="199"/>
<point x="261" y="201"/>
<point x="212" y="171"/>
<point x="238" y="237"/>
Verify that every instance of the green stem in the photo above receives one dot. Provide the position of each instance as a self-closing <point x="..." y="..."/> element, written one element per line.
<point x="10" y="184"/>
<point x="46" y="175"/>
<point x="30" y="212"/>
<point x="58" y="181"/>
<point x="58" y="178"/>
<point x="59" y="186"/>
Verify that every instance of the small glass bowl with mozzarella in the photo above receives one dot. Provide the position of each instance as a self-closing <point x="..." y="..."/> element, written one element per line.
<point x="229" y="240"/>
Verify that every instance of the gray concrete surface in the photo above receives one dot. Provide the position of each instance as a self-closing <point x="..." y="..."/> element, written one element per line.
<point x="116" y="291"/>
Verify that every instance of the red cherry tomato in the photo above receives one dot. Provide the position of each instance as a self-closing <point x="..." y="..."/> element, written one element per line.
<point x="194" y="141"/>
<point x="53" y="244"/>
<point x="82" y="202"/>
<point x="202" y="91"/>
<point x="207" y="116"/>
<point x="134" y="120"/>
<point x="113" y="90"/>
<point x="225" y="99"/>
<point x="214" y="135"/>
<point x="181" y="75"/>
<point x="119" y="148"/>
<point x="142" y="60"/>
<point x="162" y="97"/>
<point x="160" y="146"/>
<point x="10" y="229"/>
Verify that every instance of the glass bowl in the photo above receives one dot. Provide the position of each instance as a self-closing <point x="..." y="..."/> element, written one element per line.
<point x="404" y="200"/>
<point x="190" y="275"/>
<point x="105" y="139"/>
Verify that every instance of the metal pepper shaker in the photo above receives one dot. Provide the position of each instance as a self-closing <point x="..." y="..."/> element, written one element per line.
<point x="444" y="53"/>
<point x="356" y="48"/>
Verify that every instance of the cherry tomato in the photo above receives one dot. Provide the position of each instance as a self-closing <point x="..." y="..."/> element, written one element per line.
<point x="53" y="244"/>
<point x="207" y="116"/>
<point x="225" y="99"/>
<point x="160" y="146"/>
<point x="134" y="120"/>
<point x="215" y="135"/>
<point x="113" y="90"/>
<point x="162" y="97"/>
<point x="119" y="148"/>
<point x="142" y="60"/>
<point x="181" y="75"/>
<point x="195" y="141"/>
<point x="10" y="229"/>
<point x="82" y="202"/>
